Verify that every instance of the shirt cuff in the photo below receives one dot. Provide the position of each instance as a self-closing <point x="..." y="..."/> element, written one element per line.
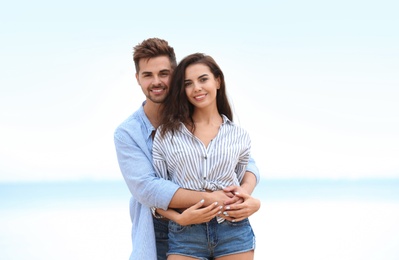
<point x="155" y="214"/>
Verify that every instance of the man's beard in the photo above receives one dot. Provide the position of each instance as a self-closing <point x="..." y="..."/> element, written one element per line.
<point x="156" y="99"/>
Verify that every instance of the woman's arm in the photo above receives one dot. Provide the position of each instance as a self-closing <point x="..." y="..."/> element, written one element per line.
<point x="192" y="215"/>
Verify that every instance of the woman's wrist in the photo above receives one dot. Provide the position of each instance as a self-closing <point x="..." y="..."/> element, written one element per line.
<point x="207" y="197"/>
<point x="155" y="213"/>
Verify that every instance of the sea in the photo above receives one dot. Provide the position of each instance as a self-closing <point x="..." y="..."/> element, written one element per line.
<point x="298" y="219"/>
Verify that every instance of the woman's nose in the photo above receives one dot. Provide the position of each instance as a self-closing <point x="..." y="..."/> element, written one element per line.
<point x="197" y="87"/>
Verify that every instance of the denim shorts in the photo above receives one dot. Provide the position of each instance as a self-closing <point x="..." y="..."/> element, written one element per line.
<point x="161" y="237"/>
<point x="211" y="239"/>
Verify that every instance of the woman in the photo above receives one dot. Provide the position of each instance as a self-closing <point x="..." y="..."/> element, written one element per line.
<point x="200" y="148"/>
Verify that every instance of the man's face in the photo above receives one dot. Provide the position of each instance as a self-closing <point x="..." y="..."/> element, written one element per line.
<point x="154" y="78"/>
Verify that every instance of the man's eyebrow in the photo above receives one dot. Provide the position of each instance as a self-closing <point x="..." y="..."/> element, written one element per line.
<point x="165" y="70"/>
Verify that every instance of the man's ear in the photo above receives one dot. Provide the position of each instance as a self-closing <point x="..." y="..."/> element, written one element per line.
<point x="137" y="78"/>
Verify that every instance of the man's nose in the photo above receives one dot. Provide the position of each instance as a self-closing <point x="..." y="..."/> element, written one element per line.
<point x="156" y="81"/>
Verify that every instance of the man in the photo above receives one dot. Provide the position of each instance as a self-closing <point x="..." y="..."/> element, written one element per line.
<point x="154" y="62"/>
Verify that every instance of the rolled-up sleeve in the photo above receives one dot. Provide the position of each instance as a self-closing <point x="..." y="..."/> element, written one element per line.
<point x="251" y="167"/>
<point x="135" y="162"/>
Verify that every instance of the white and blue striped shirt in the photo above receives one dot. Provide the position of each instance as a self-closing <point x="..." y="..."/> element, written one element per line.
<point x="133" y="143"/>
<point x="184" y="159"/>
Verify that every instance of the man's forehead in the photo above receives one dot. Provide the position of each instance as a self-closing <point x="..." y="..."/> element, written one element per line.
<point x="154" y="65"/>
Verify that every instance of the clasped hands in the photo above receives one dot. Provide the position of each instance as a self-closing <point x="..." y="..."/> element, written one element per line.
<point x="232" y="203"/>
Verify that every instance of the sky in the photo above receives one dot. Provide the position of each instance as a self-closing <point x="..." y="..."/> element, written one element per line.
<point x="315" y="83"/>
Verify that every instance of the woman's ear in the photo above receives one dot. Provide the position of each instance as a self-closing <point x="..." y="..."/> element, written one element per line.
<point x="218" y="82"/>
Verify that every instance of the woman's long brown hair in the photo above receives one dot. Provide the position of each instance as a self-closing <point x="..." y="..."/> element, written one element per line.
<point x="177" y="108"/>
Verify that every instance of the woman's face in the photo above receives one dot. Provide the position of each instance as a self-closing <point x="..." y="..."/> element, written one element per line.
<point x="201" y="86"/>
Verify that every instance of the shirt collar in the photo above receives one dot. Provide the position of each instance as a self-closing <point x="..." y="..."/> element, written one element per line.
<point x="226" y="120"/>
<point x="148" y="127"/>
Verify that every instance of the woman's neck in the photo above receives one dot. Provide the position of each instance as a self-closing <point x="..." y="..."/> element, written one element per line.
<point x="208" y="117"/>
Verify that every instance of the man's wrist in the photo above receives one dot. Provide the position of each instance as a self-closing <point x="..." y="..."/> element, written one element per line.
<point x="246" y="187"/>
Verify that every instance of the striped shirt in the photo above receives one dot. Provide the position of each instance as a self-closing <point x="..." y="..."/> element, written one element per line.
<point x="186" y="161"/>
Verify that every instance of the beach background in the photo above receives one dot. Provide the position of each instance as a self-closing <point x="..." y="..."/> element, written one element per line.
<point x="315" y="84"/>
<point x="297" y="220"/>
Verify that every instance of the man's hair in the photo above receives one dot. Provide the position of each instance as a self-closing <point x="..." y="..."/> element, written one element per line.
<point x="152" y="48"/>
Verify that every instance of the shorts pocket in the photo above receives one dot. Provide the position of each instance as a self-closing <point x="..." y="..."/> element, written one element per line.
<point x="175" y="227"/>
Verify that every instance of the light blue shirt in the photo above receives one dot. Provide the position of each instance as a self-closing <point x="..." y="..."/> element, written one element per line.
<point x="133" y="143"/>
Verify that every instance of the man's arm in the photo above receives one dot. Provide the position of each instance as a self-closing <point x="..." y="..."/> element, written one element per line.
<point x="243" y="205"/>
<point x="135" y="163"/>
<point x="253" y="169"/>
<point x="249" y="182"/>
<point x="137" y="169"/>
<point x="194" y="215"/>
<point x="185" y="199"/>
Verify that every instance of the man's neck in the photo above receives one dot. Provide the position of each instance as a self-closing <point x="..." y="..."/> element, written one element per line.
<point x="152" y="111"/>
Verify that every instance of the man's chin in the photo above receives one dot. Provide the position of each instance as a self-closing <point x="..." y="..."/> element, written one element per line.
<point x="157" y="100"/>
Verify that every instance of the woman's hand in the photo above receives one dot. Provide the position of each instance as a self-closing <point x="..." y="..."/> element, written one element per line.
<point x="197" y="215"/>
<point x="241" y="206"/>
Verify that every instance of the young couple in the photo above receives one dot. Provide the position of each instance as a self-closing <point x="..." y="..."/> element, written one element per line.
<point x="184" y="159"/>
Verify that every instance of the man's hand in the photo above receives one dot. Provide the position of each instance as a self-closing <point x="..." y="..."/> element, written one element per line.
<point x="241" y="210"/>
<point x="219" y="196"/>
<point x="230" y="191"/>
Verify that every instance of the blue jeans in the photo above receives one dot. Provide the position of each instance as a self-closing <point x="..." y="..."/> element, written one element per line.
<point x="161" y="237"/>
<point x="211" y="239"/>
